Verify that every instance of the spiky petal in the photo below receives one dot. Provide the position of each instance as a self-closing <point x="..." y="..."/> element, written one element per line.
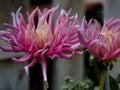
<point x="103" y="43"/>
<point x="43" y="40"/>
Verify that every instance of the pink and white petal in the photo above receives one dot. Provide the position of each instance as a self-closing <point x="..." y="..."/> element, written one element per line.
<point x="109" y="21"/>
<point x="106" y="53"/>
<point x="92" y="46"/>
<point x="37" y="53"/>
<point x="23" y="59"/>
<point x="114" y="23"/>
<point x="32" y="63"/>
<point x="68" y="56"/>
<point x="11" y="27"/>
<point x="51" y="16"/>
<point x="31" y="17"/>
<point x="75" y="46"/>
<point x="81" y="39"/>
<point x="14" y="19"/>
<point x="55" y="56"/>
<point x="60" y="47"/>
<point x="43" y="64"/>
<point x="115" y="54"/>
<point x="6" y="48"/>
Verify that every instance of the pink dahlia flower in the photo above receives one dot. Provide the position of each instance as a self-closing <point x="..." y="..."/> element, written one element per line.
<point x="103" y="43"/>
<point x="43" y="40"/>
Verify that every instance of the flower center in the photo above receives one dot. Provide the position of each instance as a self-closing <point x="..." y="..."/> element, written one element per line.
<point x="108" y="39"/>
<point x="41" y="34"/>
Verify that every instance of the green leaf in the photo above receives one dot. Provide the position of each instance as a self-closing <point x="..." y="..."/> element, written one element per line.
<point x="112" y="83"/>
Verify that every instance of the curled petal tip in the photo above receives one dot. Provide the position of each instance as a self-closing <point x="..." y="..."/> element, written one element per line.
<point x="57" y="6"/>
<point x="75" y="46"/>
<point x="15" y="60"/>
<point x="76" y="16"/>
<point x="55" y="56"/>
<point x="84" y="18"/>
<point x="26" y="69"/>
<point x="19" y="9"/>
<point x="79" y="52"/>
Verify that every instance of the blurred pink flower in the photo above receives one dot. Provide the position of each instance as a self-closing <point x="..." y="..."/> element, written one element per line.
<point x="43" y="40"/>
<point x="103" y="43"/>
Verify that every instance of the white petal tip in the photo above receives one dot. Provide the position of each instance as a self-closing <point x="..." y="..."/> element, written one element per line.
<point x="26" y="69"/>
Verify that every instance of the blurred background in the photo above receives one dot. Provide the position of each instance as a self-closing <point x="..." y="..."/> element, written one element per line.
<point x="14" y="77"/>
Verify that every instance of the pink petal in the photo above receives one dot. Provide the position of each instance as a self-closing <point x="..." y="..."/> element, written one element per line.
<point x="81" y="40"/>
<point x="23" y="59"/>
<point x="5" y="48"/>
<point x="43" y="64"/>
<point x="115" y="54"/>
<point x="55" y="56"/>
<point x="68" y="56"/>
<point x="31" y="17"/>
<point x="115" y="22"/>
<point x="32" y="63"/>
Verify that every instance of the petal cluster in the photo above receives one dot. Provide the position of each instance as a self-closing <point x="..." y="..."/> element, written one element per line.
<point x="102" y="42"/>
<point x="42" y="40"/>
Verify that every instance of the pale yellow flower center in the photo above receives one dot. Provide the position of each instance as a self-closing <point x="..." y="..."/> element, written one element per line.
<point x="108" y="40"/>
<point x="41" y="33"/>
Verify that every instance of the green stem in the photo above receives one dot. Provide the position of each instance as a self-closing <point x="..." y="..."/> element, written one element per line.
<point x="44" y="85"/>
<point x="102" y="80"/>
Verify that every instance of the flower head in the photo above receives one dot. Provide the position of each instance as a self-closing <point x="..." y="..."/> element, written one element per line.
<point x="43" y="40"/>
<point x="103" y="43"/>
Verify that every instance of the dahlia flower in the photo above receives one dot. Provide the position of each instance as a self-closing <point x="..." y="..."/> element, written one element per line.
<point x="43" y="40"/>
<point x="102" y="42"/>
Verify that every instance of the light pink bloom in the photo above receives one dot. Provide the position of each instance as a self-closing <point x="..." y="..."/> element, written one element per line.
<point x="43" y="40"/>
<point x="103" y="43"/>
